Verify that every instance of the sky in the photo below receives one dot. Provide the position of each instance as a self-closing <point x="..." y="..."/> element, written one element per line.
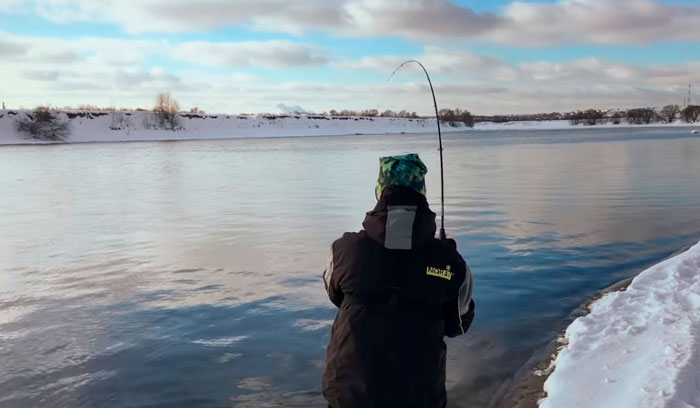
<point x="250" y="56"/>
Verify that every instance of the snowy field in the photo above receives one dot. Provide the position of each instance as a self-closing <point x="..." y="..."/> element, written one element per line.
<point x="97" y="126"/>
<point x="565" y="124"/>
<point x="637" y="348"/>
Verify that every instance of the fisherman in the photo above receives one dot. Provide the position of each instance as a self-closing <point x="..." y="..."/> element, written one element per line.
<point x="399" y="291"/>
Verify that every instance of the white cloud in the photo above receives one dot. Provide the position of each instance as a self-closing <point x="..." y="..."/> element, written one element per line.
<point x="125" y="52"/>
<point x="11" y="49"/>
<point x="258" y="54"/>
<point x="169" y="16"/>
<point x="597" y="22"/>
<point x="440" y="61"/>
<point x="520" y="23"/>
<point x="413" y="18"/>
<point x="37" y="75"/>
<point x="364" y="18"/>
<point x="465" y="65"/>
<point x="116" y="72"/>
<point x="501" y="87"/>
<point x="239" y="93"/>
<point x="587" y="69"/>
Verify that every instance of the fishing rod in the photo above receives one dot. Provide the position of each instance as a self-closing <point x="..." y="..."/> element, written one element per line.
<point x="443" y="237"/>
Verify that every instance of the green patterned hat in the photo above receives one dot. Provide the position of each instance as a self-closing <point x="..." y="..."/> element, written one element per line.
<point x="407" y="170"/>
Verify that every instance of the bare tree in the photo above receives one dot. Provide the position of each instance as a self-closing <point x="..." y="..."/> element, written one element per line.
<point x="691" y="113"/>
<point x="88" y="107"/>
<point x="369" y="113"/>
<point x="447" y="115"/>
<point x="669" y="113"/>
<point x="465" y="116"/>
<point x="616" y="117"/>
<point x="166" y="109"/>
<point x="42" y="124"/>
<point x="640" y="116"/>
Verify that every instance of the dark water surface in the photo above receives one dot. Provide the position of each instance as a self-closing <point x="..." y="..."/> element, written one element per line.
<point x="188" y="273"/>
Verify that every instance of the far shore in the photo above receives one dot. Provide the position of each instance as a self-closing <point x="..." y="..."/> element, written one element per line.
<point x="132" y="126"/>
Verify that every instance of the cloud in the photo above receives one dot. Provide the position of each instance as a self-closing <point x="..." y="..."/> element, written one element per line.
<point x="290" y="109"/>
<point x="587" y="69"/>
<point x="527" y="93"/>
<point x="501" y="87"/>
<point x="97" y="51"/>
<point x="72" y="71"/>
<point x="519" y="23"/>
<point x="171" y="16"/>
<point x="41" y="75"/>
<point x="596" y="22"/>
<point x="130" y="78"/>
<point x="356" y="18"/>
<point x="92" y="50"/>
<point x="440" y="61"/>
<point x="414" y="18"/>
<point x="290" y="16"/>
<point x="10" y="49"/>
<point x="258" y="54"/>
<point x="466" y="65"/>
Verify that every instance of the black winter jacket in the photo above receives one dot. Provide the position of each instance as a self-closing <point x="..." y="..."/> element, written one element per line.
<point x="399" y="291"/>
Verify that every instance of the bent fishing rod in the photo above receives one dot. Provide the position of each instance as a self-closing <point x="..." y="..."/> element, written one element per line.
<point x="443" y="237"/>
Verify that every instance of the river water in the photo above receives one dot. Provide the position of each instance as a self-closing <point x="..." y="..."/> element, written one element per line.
<point x="189" y="273"/>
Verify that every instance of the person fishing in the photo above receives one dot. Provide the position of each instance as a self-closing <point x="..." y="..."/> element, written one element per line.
<point x="399" y="291"/>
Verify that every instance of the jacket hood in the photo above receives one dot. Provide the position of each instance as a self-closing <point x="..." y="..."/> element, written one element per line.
<point x="401" y="219"/>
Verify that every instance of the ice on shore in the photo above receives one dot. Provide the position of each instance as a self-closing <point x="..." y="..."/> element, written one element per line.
<point x="96" y="126"/>
<point x="637" y="348"/>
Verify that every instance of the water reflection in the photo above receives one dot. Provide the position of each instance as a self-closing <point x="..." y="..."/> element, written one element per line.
<point x="189" y="273"/>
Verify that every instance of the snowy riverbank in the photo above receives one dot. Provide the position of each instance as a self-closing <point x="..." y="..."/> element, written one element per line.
<point x="96" y="126"/>
<point x="636" y="348"/>
<point x="111" y="126"/>
<point x="565" y="124"/>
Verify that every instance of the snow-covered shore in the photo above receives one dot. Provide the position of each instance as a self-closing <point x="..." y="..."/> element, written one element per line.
<point x="96" y="126"/>
<point x="636" y="348"/>
<point x="111" y="126"/>
<point x="565" y="124"/>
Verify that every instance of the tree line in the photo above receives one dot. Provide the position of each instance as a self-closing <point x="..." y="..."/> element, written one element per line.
<point x="449" y="116"/>
<point x="667" y="114"/>
<point x="372" y="113"/>
<point x="44" y="124"/>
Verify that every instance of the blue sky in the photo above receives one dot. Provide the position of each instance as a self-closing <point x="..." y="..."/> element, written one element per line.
<point x="252" y="56"/>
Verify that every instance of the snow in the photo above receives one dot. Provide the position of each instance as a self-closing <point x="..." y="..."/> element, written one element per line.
<point x="110" y="126"/>
<point x="637" y="348"/>
<point x="565" y="124"/>
<point x="525" y="125"/>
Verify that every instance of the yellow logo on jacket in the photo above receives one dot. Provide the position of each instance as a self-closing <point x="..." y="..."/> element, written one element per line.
<point x="440" y="273"/>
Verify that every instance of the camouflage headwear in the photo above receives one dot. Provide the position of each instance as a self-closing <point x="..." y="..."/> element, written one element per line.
<point x="407" y="170"/>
